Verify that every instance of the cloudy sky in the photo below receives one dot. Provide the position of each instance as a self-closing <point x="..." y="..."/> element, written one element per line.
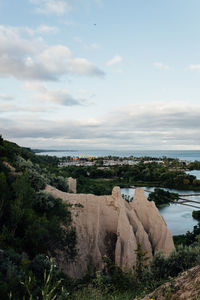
<point x="100" y="74"/>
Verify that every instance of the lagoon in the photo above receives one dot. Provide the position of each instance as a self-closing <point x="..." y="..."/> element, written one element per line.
<point x="178" y="217"/>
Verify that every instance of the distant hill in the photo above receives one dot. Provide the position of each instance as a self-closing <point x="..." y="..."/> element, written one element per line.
<point x="47" y="150"/>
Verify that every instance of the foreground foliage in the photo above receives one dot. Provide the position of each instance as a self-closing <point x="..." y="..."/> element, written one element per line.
<point x="30" y="221"/>
<point x="112" y="282"/>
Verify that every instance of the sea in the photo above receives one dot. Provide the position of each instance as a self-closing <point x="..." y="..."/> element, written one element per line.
<point x="185" y="155"/>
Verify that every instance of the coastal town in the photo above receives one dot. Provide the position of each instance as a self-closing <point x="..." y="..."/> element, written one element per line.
<point x="88" y="161"/>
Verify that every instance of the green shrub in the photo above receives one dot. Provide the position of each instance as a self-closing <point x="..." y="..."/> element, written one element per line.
<point x="181" y="259"/>
<point x="59" y="182"/>
<point x="159" y="267"/>
<point x="21" y="164"/>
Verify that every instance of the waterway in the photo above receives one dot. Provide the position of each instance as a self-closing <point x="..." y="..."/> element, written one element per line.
<point x="178" y="217"/>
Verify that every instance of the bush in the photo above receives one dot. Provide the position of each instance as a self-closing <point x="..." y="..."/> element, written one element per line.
<point x="183" y="258"/>
<point x="21" y="164"/>
<point x="114" y="277"/>
<point x="37" y="180"/>
<point x="179" y="260"/>
<point x="59" y="182"/>
<point x="44" y="202"/>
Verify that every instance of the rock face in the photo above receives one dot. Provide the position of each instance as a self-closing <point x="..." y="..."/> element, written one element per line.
<point x="72" y="184"/>
<point x="109" y="226"/>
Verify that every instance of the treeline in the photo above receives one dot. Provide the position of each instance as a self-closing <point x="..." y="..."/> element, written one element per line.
<point x="140" y="174"/>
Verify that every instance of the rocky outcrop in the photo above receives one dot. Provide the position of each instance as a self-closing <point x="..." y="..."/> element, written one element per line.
<point x="71" y="184"/>
<point x="110" y="226"/>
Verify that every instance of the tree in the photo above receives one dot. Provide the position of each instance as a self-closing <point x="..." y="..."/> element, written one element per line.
<point x="160" y="197"/>
<point x="4" y="193"/>
<point x="1" y="140"/>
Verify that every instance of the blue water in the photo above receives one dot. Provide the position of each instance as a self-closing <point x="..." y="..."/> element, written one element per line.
<point x="187" y="155"/>
<point x="178" y="217"/>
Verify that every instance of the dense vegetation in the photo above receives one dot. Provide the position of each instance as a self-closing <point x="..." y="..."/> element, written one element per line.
<point x="101" y="181"/>
<point x="31" y="231"/>
<point x="195" y="165"/>
<point x="29" y="220"/>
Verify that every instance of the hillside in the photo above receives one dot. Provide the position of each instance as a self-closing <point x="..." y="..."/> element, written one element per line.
<point x="30" y="221"/>
<point x="35" y="225"/>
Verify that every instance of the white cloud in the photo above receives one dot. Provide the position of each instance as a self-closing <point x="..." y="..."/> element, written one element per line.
<point x="115" y="60"/>
<point x="58" y="7"/>
<point x="12" y="108"/>
<point x="24" y="58"/>
<point x="194" y="67"/>
<point x="78" y="40"/>
<point x="61" y="97"/>
<point x="161" y="66"/>
<point x="27" y="31"/>
<point x="95" y="46"/>
<point x="5" y="97"/>
<point x="46" y="29"/>
<point x="83" y="92"/>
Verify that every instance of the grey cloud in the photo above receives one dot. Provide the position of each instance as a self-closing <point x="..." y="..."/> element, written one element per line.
<point x="133" y="127"/>
<point x="157" y="116"/>
<point x="68" y="100"/>
<point x="48" y="129"/>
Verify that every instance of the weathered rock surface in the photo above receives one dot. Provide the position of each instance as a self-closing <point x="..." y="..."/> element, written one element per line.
<point x="108" y="225"/>
<point x="72" y="184"/>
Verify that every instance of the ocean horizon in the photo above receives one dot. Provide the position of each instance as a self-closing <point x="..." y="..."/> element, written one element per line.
<point x="185" y="155"/>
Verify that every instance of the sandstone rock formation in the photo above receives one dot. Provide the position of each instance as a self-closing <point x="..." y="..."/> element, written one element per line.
<point x="109" y="226"/>
<point x="72" y="184"/>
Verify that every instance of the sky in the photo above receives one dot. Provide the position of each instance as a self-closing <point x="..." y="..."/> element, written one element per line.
<point x="100" y="74"/>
